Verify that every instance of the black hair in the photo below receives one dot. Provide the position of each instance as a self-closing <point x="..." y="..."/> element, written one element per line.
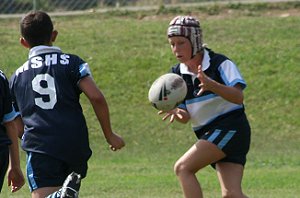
<point x="36" y="28"/>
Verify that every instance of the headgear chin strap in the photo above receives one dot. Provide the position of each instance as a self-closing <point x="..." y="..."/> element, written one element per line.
<point x="188" y="27"/>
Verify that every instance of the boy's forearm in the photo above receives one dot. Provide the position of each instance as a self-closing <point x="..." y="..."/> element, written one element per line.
<point x="14" y="147"/>
<point x="20" y="126"/>
<point x="102" y="112"/>
<point x="14" y="158"/>
<point x="98" y="101"/>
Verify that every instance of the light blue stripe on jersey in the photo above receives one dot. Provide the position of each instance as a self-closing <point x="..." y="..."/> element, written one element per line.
<point x="225" y="79"/>
<point x="201" y="98"/>
<point x="182" y="106"/>
<point x="214" y="135"/>
<point x="84" y="70"/>
<point x="226" y="139"/>
<point x="10" y="116"/>
<point x="30" y="177"/>
<point x="231" y="82"/>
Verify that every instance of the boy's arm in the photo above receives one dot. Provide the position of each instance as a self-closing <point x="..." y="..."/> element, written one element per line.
<point x="232" y="94"/>
<point x="98" y="101"/>
<point x="20" y="126"/>
<point x="15" y="176"/>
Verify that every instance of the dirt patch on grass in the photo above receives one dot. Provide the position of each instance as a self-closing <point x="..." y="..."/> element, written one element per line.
<point x="225" y="10"/>
<point x="227" y="13"/>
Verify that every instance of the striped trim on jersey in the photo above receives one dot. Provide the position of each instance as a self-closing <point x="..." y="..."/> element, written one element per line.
<point x="10" y="116"/>
<point x="205" y="108"/>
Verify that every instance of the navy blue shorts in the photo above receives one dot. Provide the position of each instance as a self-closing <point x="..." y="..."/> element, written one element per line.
<point x="232" y="134"/>
<point x="4" y="158"/>
<point x="46" y="171"/>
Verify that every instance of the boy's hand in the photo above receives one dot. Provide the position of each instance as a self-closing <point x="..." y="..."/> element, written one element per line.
<point x="115" y="142"/>
<point x="15" y="179"/>
<point x="206" y="82"/>
<point x="173" y="114"/>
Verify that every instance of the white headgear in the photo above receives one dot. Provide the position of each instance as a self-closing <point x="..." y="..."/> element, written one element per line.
<point x="188" y="27"/>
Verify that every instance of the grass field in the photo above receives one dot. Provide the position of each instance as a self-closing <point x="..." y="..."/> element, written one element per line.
<point x="126" y="52"/>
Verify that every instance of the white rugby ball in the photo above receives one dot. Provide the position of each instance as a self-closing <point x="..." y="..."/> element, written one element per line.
<point x="167" y="92"/>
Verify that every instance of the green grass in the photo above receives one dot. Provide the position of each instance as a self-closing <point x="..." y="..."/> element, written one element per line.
<point x="126" y="54"/>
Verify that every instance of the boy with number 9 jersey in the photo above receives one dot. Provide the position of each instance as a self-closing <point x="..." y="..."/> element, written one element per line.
<point x="46" y="91"/>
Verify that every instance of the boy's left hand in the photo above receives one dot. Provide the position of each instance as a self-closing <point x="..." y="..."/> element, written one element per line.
<point x="206" y="82"/>
<point x="15" y="179"/>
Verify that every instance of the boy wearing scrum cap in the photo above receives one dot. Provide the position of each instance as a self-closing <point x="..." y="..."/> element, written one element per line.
<point x="214" y="106"/>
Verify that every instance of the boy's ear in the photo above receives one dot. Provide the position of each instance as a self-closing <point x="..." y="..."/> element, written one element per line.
<point x="54" y="35"/>
<point x="24" y="42"/>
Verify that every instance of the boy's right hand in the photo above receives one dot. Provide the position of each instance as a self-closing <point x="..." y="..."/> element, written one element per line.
<point x="172" y="114"/>
<point x="115" y="141"/>
<point x="175" y="114"/>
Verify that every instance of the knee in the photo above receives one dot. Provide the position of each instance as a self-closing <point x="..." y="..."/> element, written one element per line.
<point x="181" y="168"/>
<point x="227" y="194"/>
<point x="178" y="168"/>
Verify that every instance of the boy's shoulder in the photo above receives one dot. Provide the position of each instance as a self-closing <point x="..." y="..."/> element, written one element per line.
<point x="216" y="58"/>
<point x="175" y="69"/>
<point x="2" y="76"/>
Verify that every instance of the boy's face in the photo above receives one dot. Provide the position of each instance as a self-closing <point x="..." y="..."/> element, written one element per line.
<point x="181" y="47"/>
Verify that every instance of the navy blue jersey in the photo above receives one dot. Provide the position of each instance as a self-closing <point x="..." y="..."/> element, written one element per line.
<point x="7" y="112"/>
<point x="45" y="91"/>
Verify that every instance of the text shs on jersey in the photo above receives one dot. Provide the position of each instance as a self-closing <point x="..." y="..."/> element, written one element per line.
<point x="50" y="59"/>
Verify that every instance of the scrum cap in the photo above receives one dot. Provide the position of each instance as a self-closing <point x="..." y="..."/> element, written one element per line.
<point x="188" y="27"/>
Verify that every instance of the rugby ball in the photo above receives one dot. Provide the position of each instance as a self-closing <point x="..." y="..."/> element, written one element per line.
<point x="167" y="92"/>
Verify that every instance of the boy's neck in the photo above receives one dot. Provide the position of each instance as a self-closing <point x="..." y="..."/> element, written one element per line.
<point x="195" y="62"/>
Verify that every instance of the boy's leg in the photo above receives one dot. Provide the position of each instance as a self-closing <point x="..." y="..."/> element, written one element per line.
<point x="198" y="156"/>
<point x="45" y="174"/>
<point x="230" y="177"/>
<point x="44" y="192"/>
<point x="70" y="188"/>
